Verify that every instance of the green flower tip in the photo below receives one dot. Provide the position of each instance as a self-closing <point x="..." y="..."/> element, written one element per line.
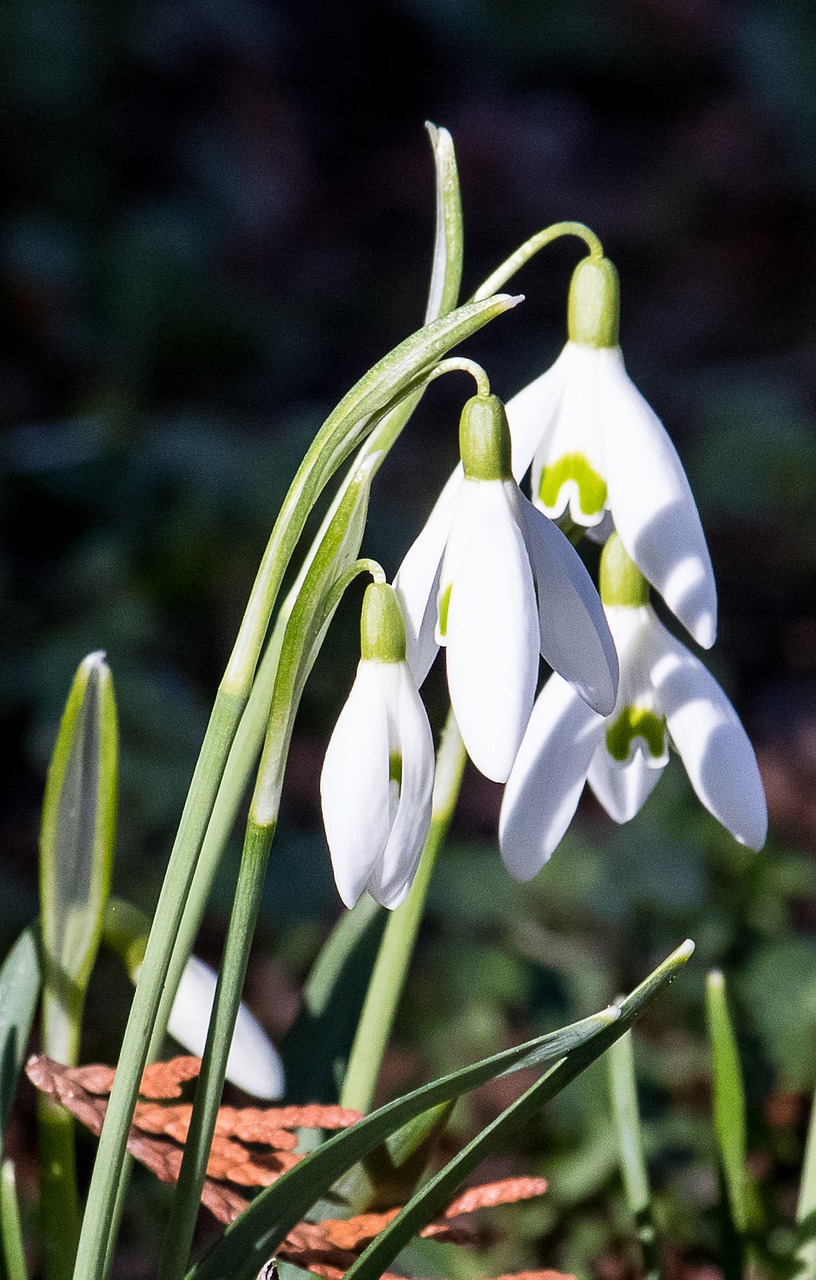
<point x="620" y="580"/>
<point x="382" y="629"/>
<point x="484" y="439"/>
<point x="593" y="307"/>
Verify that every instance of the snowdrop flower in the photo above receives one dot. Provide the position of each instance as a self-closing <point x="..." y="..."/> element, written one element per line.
<point x="596" y="446"/>
<point x="377" y="777"/>
<point x="665" y="696"/>
<point x="497" y="584"/>
<point x="253" y="1064"/>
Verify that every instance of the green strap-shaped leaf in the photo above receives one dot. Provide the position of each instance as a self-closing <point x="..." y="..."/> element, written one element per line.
<point x="626" y="1119"/>
<point x="19" y="993"/>
<point x="252" y="1238"/>
<point x="436" y="1194"/>
<point x="10" y="1229"/>
<point x="728" y="1099"/>
<point x="446" y="275"/>
<point x="76" y="850"/>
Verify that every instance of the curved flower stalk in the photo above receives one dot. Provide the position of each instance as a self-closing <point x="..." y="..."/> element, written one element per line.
<point x="378" y="773"/>
<point x="665" y="696"/>
<point x="596" y="446"/>
<point x="497" y="584"/>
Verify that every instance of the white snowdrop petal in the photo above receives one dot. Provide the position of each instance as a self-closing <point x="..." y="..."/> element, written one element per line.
<point x="712" y="743"/>
<point x="354" y="783"/>
<point x="254" y="1064"/>
<point x="531" y="412"/>
<point x="574" y="447"/>
<point x="623" y="787"/>
<point x="393" y="874"/>
<point x="492" y="631"/>
<point x="650" y="498"/>
<point x="417" y="580"/>
<point x="575" y="636"/>
<point x="547" y="777"/>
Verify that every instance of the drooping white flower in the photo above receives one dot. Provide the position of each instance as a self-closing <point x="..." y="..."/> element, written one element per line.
<point x="497" y="584"/>
<point x="253" y="1064"/>
<point x="595" y="446"/>
<point x="665" y="696"/>
<point x="377" y="777"/>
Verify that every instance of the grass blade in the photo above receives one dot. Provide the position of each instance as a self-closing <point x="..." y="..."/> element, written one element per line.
<point x="433" y="1197"/>
<point x="251" y="1240"/>
<point x="20" y="979"/>
<point x="626" y="1118"/>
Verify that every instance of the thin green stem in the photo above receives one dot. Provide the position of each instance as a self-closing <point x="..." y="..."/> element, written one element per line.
<point x="93" y="1247"/>
<point x="62" y="1004"/>
<point x="10" y="1228"/>
<point x="59" y="1199"/>
<point x="210" y="1085"/>
<point x="397" y="947"/>
<point x="623" y="1096"/>
<point x="531" y="247"/>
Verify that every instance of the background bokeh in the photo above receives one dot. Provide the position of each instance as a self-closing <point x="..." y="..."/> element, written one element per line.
<point x="216" y="214"/>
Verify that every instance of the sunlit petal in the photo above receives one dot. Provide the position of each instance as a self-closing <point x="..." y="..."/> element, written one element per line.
<point x="651" y="501"/>
<point x="575" y="636"/>
<point x="417" y="580"/>
<point x="714" y="747"/>
<point x="354" y="784"/>
<point x="492" y="629"/>
<point x="547" y="778"/>
<point x="253" y="1064"/>
<point x="392" y="875"/>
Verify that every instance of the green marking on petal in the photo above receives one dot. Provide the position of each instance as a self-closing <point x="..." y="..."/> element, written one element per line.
<point x="444" y="605"/>
<point x="395" y="768"/>
<point x="636" y="722"/>
<point x="575" y="467"/>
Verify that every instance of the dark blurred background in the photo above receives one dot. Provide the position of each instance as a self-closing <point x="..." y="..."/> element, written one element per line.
<point x="216" y="214"/>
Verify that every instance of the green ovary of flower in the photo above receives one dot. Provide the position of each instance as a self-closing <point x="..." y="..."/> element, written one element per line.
<point x="636" y="722"/>
<point x="575" y="467"/>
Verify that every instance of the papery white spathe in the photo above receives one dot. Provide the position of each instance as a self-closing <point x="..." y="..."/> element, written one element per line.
<point x="254" y="1064"/>
<point x="376" y="822"/>
<point x="586" y="405"/>
<point x="511" y="586"/>
<point x="667" y="692"/>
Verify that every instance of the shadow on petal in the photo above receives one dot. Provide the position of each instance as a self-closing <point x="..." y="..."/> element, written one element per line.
<point x="547" y="778"/>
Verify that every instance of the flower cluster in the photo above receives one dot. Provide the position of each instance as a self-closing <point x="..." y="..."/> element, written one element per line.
<point x="493" y="580"/>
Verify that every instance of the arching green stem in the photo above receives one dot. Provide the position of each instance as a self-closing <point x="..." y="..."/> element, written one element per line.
<point x="531" y="247"/>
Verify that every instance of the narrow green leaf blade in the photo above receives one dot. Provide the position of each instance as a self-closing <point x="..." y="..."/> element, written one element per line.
<point x="252" y="1238"/>
<point x="446" y="275"/>
<point x="626" y="1119"/>
<point x="436" y="1194"/>
<point x="11" y="1231"/>
<point x="20" y="979"/>
<point x="76" y="848"/>
<point x="728" y="1099"/>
